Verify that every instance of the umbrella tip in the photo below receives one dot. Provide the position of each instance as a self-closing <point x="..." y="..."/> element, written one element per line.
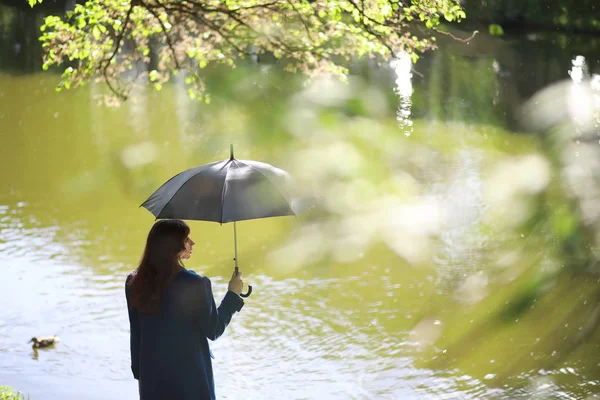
<point x="231" y="152"/>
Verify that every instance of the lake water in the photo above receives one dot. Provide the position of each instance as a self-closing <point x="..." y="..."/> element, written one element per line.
<point x="392" y="292"/>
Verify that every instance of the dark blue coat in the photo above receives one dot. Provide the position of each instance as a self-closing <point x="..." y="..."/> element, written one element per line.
<point x="169" y="350"/>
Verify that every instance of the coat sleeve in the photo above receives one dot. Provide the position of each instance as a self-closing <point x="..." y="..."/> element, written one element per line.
<point x="215" y="320"/>
<point x="134" y="334"/>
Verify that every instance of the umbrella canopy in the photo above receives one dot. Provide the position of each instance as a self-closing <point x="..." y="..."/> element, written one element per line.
<point x="226" y="191"/>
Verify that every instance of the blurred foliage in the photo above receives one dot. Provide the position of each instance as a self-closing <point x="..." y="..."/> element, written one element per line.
<point x="7" y="393"/>
<point x="109" y="38"/>
<point x="496" y="30"/>
<point x="544" y="217"/>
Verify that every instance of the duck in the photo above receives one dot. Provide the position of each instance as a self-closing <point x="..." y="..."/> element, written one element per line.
<point x="47" y="341"/>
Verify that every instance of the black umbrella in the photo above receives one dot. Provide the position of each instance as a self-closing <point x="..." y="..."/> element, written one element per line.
<point x="227" y="191"/>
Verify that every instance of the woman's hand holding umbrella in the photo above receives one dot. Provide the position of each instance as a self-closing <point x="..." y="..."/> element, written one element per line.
<point x="236" y="284"/>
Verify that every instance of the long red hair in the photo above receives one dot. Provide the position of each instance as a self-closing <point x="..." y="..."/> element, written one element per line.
<point x="160" y="262"/>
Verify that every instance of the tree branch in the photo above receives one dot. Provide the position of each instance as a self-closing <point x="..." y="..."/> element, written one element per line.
<point x="230" y="10"/>
<point x="456" y="38"/>
<point x="114" y="53"/>
<point x="164" y="29"/>
<point x="306" y="28"/>
<point x="364" y="15"/>
<point x="368" y="29"/>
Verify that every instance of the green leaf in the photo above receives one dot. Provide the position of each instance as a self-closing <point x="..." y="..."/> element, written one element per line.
<point x="96" y="32"/>
<point x="563" y="223"/>
<point x="496" y="30"/>
<point x="386" y="10"/>
<point x="336" y="13"/>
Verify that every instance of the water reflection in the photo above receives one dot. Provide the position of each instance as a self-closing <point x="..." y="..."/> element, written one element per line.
<point x="20" y="51"/>
<point x="402" y="67"/>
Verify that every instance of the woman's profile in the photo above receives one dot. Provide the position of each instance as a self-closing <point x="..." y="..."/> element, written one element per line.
<point x="172" y="313"/>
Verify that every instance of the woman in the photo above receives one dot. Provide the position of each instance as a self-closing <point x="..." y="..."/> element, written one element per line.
<point x="172" y="313"/>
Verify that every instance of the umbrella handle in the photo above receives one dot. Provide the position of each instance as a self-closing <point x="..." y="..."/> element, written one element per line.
<point x="248" y="293"/>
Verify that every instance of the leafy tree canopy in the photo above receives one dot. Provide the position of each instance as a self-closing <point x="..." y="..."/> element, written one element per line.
<point x="109" y="40"/>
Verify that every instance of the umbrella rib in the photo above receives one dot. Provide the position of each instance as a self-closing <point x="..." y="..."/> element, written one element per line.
<point x="274" y="185"/>
<point x="223" y="192"/>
